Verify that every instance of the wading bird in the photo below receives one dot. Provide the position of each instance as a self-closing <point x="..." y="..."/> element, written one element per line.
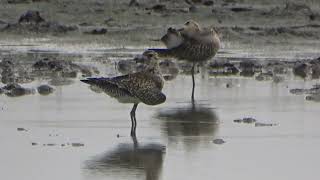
<point x="191" y="43"/>
<point x="144" y="86"/>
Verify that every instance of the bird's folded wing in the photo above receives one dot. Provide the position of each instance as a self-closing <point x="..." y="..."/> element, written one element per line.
<point x="104" y="82"/>
<point x="149" y="96"/>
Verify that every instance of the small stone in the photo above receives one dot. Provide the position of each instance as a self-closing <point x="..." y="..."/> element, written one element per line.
<point x="237" y="120"/>
<point x="297" y="91"/>
<point x="51" y="144"/>
<point x="193" y="9"/>
<point x="77" y="144"/>
<point x="208" y="3"/>
<point x="21" y="129"/>
<point x="258" y="124"/>
<point x="34" y="143"/>
<point x="218" y="141"/>
<point x="159" y="7"/>
<point x="97" y="31"/>
<point x="45" y="90"/>
<point x="312" y="17"/>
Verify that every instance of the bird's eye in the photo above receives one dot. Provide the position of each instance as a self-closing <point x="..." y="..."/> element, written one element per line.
<point x="150" y="55"/>
<point x="187" y="23"/>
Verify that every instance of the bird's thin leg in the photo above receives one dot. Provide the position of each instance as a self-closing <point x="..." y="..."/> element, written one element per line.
<point x="193" y="83"/>
<point x="133" y="120"/>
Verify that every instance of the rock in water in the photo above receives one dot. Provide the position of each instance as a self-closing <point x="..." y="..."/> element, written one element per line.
<point x="218" y="141"/>
<point x="45" y="90"/>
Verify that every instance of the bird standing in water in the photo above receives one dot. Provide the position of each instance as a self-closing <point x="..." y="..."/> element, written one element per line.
<point x="144" y="86"/>
<point x="192" y="43"/>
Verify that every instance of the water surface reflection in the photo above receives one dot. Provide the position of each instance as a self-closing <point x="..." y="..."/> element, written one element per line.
<point x="189" y="123"/>
<point x="129" y="161"/>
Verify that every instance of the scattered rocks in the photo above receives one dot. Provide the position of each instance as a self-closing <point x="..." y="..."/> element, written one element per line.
<point x="31" y="21"/>
<point x="67" y="69"/>
<point x="290" y="8"/>
<point x="297" y="91"/>
<point x="264" y="76"/>
<point x="222" y="68"/>
<point x="249" y="120"/>
<point x="45" y="90"/>
<point x="97" y="31"/>
<point x="301" y="70"/>
<point x="218" y="141"/>
<point x="208" y="3"/>
<point x="313" y="97"/>
<point x="15" y="90"/>
<point x="158" y="8"/>
<point x="249" y="68"/>
<point x="18" y="1"/>
<point x="134" y="3"/>
<point x="259" y="124"/>
<point x="193" y="9"/>
<point x="315" y="90"/>
<point x="42" y="27"/>
<point x="240" y="9"/>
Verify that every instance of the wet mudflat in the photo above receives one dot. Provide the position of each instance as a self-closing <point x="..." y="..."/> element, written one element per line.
<point x="240" y="126"/>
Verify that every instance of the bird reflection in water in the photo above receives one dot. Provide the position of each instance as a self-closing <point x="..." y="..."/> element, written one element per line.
<point x="190" y="124"/>
<point x="129" y="161"/>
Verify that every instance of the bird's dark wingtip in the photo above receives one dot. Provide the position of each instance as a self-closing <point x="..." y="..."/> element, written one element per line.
<point x="158" y="49"/>
<point x="85" y="80"/>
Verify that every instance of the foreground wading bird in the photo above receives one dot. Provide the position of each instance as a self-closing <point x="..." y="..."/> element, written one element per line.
<point x="144" y="86"/>
<point x="191" y="43"/>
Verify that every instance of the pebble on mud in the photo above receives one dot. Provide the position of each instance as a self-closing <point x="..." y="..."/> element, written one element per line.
<point x="21" y="129"/>
<point x="247" y="120"/>
<point x="258" y="124"/>
<point x="218" y="141"/>
<point x="97" y="31"/>
<point x="313" y="97"/>
<point x="51" y="144"/>
<point x="45" y="90"/>
<point x="77" y="144"/>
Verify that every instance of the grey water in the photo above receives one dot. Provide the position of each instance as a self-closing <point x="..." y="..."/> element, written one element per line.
<point x="76" y="133"/>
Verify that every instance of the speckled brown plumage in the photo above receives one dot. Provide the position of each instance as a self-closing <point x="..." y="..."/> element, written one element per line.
<point x="144" y="86"/>
<point x="138" y="87"/>
<point x="191" y="43"/>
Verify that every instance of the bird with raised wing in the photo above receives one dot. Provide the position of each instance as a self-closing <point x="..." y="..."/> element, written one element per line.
<point x="144" y="86"/>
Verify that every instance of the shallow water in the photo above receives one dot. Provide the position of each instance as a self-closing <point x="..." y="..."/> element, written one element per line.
<point x="80" y="134"/>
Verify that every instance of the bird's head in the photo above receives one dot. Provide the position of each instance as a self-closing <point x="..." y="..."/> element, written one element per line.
<point x="150" y="55"/>
<point x="191" y="26"/>
<point x="153" y="59"/>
